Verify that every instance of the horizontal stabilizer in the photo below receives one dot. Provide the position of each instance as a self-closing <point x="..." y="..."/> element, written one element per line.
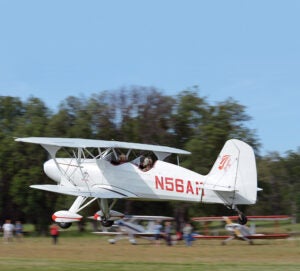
<point x="216" y="187"/>
<point x="96" y="192"/>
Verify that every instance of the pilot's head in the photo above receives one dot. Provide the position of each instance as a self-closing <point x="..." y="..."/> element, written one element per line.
<point x="122" y="158"/>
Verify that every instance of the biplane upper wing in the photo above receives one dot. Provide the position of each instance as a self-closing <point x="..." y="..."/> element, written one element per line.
<point x="93" y="143"/>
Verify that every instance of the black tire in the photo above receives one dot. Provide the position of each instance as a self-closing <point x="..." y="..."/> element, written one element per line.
<point x="107" y="223"/>
<point x="242" y="219"/>
<point x="64" y="225"/>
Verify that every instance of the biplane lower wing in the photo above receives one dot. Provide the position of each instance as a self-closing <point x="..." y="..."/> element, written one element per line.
<point x="98" y="192"/>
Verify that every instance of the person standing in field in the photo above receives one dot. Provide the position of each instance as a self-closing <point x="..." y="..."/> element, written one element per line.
<point x="19" y="230"/>
<point x="54" y="232"/>
<point x="157" y="232"/>
<point x="168" y="232"/>
<point x="187" y="234"/>
<point x="8" y="231"/>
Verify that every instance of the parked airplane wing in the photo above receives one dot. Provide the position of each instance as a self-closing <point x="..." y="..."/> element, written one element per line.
<point x="254" y="236"/>
<point x="137" y="234"/>
<point x="250" y="218"/>
<point x="148" y="217"/>
<point x="108" y="233"/>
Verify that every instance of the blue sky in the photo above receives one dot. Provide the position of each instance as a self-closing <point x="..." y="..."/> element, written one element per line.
<point x="248" y="50"/>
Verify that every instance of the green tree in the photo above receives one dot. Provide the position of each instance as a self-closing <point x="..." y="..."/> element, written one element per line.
<point x="190" y="112"/>
<point x="11" y="109"/>
<point x="101" y="108"/>
<point x="292" y="165"/>
<point x="220" y="122"/>
<point x="144" y="115"/>
<point x="279" y="177"/>
<point x="28" y="163"/>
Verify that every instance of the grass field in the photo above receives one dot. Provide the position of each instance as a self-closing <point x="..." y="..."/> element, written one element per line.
<point x="95" y="253"/>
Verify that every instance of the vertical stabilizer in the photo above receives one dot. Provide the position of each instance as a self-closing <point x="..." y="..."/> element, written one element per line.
<point x="233" y="176"/>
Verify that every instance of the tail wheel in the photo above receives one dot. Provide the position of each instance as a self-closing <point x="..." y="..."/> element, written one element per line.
<point x="64" y="225"/>
<point x="242" y="219"/>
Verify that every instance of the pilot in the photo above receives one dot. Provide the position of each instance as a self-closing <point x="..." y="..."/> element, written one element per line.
<point x="122" y="158"/>
<point x="142" y="159"/>
<point x="147" y="164"/>
<point x="119" y="160"/>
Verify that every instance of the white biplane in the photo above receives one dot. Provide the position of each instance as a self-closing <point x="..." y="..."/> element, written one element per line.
<point x="93" y="172"/>
<point x="135" y="226"/>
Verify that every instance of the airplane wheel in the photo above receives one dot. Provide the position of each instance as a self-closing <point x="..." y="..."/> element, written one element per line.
<point x="242" y="219"/>
<point x="64" y="225"/>
<point x="107" y="223"/>
<point x="112" y="241"/>
<point x="132" y="241"/>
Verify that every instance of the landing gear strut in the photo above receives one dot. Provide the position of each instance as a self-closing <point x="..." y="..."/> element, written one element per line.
<point x="242" y="219"/>
<point x="106" y="213"/>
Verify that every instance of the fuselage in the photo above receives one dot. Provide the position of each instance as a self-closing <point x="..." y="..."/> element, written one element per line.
<point x="164" y="181"/>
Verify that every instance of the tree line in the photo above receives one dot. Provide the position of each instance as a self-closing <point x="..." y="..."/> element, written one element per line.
<point x="143" y="115"/>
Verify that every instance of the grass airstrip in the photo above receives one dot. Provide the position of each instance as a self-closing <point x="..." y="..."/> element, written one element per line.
<point x="90" y="252"/>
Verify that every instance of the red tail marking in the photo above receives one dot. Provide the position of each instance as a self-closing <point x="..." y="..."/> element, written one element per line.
<point x="225" y="160"/>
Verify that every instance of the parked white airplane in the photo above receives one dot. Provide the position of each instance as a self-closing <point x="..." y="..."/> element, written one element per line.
<point x="134" y="226"/>
<point x="242" y="232"/>
<point x="92" y="171"/>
